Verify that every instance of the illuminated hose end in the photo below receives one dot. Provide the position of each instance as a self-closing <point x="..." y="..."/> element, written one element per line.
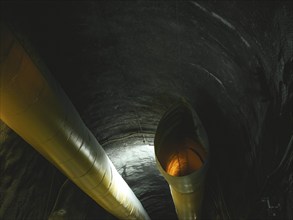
<point x="182" y="151"/>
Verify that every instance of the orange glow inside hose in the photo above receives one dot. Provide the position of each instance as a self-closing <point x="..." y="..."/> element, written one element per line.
<point x="187" y="157"/>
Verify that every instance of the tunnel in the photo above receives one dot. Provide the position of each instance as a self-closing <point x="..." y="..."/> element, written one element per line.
<point x="124" y="65"/>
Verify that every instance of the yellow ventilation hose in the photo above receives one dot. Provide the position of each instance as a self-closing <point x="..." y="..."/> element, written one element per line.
<point x="36" y="108"/>
<point x="181" y="148"/>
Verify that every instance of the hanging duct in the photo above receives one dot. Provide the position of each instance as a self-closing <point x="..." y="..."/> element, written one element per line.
<point x="181" y="149"/>
<point x="36" y="108"/>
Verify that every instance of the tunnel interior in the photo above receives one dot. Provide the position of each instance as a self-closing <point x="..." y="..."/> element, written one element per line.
<point x="123" y="64"/>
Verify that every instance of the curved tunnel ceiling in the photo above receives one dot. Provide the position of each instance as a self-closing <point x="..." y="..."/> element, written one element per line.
<point x="123" y="64"/>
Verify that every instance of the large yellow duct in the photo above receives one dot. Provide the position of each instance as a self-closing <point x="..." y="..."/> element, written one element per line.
<point x="37" y="109"/>
<point x="181" y="148"/>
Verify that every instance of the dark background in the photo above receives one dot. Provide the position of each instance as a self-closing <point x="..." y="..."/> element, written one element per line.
<point x="123" y="63"/>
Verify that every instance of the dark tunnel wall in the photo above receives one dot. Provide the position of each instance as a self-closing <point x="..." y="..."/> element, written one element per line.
<point x="124" y="63"/>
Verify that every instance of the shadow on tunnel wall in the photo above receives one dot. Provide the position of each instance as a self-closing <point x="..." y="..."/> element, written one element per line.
<point x="226" y="181"/>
